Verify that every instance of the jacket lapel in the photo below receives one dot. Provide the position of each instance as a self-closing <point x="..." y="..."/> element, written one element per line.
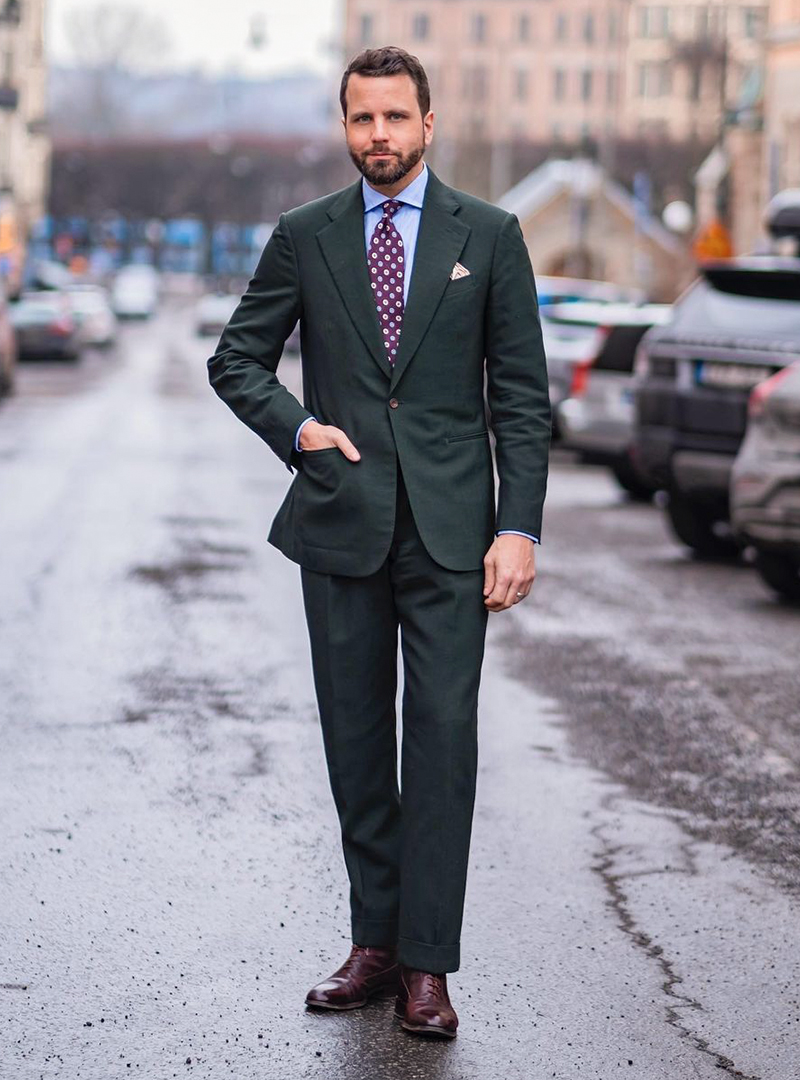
<point x="342" y="244"/>
<point x="440" y="241"/>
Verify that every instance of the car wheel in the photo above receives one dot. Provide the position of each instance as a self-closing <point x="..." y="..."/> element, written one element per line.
<point x="781" y="572"/>
<point x="697" y="525"/>
<point x="630" y="481"/>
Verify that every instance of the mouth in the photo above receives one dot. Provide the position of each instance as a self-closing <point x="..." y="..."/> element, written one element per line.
<point x="381" y="154"/>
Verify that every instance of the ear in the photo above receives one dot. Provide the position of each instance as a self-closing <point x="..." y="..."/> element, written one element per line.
<point x="427" y="124"/>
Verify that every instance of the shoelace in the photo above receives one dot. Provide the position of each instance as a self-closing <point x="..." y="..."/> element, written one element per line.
<point x="435" y="984"/>
<point x="355" y="952"/>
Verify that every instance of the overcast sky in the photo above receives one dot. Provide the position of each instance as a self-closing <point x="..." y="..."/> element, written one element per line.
<point x="213" y="34"/>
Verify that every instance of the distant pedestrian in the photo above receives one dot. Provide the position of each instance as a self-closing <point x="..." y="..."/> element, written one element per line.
<point x="407" y="292"/>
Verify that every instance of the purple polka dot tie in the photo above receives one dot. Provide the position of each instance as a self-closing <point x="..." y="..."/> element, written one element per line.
<point x="386" y="271"/>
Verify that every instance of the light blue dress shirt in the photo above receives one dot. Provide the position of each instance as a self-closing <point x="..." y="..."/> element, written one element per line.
<point x="406" y="221"/>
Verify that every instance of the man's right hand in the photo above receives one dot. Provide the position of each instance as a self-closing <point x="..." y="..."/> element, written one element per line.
<point x="316" y="436"/>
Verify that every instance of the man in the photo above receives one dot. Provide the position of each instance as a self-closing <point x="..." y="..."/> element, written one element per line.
<point x="407" y="293"/>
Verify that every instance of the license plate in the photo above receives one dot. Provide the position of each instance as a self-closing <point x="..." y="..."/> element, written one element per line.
<point x="735" y="376"/>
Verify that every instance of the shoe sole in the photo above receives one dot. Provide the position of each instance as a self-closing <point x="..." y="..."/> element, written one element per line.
<point x="382" y="992"/>
<point x="425" y="1029"/>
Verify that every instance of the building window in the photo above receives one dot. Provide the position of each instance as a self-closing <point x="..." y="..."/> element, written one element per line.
<point x="588" y="28"/>
<point x="655" y="79"/>
<point x="654" y="21"/>
<point x="478" y="28"/>
<point x="611" y="87"/>
<point x="521" y="85"/>
<point x="420" y="27"/>
<point x="613" y="26"/>
<point x="753" y="22"/>
<point x="524" y="28"/>
<point x="366" y="29"/>
<point x="586" y="85"/>
<point x="475" y="83"/>
<point x="561" y="27"/>
<point x="559" y="84"/>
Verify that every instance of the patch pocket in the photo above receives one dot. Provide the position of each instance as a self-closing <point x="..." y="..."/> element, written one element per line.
<point x="472" y="435"/>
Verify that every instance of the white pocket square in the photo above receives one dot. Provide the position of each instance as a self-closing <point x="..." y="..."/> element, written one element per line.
<point x="458" y="271"/>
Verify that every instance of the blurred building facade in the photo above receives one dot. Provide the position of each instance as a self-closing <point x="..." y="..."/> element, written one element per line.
<point x="561" y="70"/>
<point x="782" y="98"/>
<point x="24" y="141"/>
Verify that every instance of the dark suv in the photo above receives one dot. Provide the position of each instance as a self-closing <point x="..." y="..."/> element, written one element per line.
<point x="736" y="325"/>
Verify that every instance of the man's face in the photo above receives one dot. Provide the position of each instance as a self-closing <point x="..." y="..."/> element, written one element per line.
<point x="385" y="131"/>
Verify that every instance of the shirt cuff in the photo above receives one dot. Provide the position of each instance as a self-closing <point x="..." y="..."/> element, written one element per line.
<point x="297" y="445"/>
<point x="516" y="532"/>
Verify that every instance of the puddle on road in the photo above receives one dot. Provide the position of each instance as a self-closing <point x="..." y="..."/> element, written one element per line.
<point x="198" y="559"/>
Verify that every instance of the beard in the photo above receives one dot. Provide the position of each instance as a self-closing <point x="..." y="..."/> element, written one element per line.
<point x="388" y="170"/>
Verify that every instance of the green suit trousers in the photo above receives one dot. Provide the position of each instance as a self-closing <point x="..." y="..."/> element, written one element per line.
<point x="405" y="849"/>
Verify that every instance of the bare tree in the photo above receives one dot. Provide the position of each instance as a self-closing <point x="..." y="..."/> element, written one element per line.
<point x="109" y="42"/>
<point x="119" y="37"/>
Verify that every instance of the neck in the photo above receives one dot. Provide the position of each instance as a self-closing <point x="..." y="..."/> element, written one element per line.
<point x="394" y="189"/>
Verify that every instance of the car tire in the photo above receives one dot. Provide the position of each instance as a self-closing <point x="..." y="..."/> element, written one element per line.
<point x="694" y="524"/>
<point x="630" y="481"/>
<point x="781" y="572"/>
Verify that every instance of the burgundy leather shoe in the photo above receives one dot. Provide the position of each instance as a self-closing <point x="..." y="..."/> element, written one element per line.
<point x="367" y="972"/>
<point x="423" y="1004"/>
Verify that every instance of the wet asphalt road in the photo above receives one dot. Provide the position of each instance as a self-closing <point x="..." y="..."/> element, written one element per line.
<point x="170" y="875"/>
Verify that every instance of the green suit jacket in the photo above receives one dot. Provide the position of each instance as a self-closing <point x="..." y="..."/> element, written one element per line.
<point x="428" y="413"/>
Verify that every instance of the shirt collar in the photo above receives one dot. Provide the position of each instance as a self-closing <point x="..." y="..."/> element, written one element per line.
<point x="413" y="195"/>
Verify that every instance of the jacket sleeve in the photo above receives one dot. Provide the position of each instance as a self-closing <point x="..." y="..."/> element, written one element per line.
<point x="242" y="370"/>
<point x="518" y="398"/>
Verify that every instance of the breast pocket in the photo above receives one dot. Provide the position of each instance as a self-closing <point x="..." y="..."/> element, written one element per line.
<point x="460" y="287"/>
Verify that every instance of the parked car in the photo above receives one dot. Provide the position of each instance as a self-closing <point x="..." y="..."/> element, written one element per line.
<point x="597" y="415"/>
<point x="134" y="294"/>
<point x="565" y="343"/>
<point x="735" y="326"/>
<point x="765" y="484"/>
<point x="213" y="312"/>
<point x="8" y="347"/>
<point x="92" y="312"/>
<point x="44" y="326"/>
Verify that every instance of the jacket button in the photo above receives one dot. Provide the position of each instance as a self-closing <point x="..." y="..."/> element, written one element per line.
<point x="393" y="403"/>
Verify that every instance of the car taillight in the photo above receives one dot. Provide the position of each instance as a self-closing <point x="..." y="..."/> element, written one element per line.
<point x="62" y="326"/>
<point x="758" y="396"/>
<point x="581" y="369"/>
<point x="580" y="378"/>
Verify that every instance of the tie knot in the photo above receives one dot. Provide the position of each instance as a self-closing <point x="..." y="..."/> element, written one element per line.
<point x="390" y="207"/>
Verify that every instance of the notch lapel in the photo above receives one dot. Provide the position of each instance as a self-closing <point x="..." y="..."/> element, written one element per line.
<point x="343" y="248"/>
<point x="440" y="241"/>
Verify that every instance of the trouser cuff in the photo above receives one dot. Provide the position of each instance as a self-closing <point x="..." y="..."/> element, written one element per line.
<point x="374" y="933"/>
<point x="438" y="959"/>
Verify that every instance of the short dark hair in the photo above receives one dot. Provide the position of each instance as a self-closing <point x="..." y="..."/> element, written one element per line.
<point x="388" y="60"/>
